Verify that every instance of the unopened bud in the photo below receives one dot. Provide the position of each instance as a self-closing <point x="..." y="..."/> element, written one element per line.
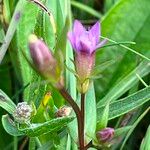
<point x="105" y="135"/>
<point x="43" y="59"/>
<point x="40" y="53"/>
<point x="64" y="111"/>
<point x="23" y="113"/>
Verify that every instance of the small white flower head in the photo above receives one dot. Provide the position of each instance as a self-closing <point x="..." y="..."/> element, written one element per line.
<point x="23" y="113"/>
<point x="64" y="111"/>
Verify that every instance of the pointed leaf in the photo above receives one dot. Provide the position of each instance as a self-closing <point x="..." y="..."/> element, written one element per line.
<point x="35" y="129"/>
<point x="127" y="104"/>
<point x="102" y="123"/>
<point x="6" y="103"/>
<point x="10" y="126"/>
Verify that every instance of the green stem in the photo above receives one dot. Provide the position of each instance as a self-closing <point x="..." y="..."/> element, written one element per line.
<point x="32" y="144"/>
<point x="128" y="48"/>
<point x="118" y="43"/>
<point x="15" y="143"/>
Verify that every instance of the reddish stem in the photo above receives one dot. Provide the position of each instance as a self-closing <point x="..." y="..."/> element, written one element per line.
<point x="77" y="111"/>
<point x="82" y="120"/>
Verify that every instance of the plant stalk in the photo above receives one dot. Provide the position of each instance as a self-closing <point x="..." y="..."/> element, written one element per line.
<point x="77" y="111"/>
<point x="82" y="120"/>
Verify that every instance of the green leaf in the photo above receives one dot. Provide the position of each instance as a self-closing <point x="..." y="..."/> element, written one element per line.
<point x="35" y="129"/>
<point x="62" y="39"/>
<point x="71" y="83"/>
<point x="145" y="145"/>
<point x="6" y="103"/>
<point x="126" y="83"/>
<point x="25" y="28"/>
<point x="134" y="126"/>
<point x="86" y="8"/>
<point x="58" y="9"/>
<point x="90" y="114"/>
<point x="102" y="123"/>
<point x="127" y="104"/>
<point x="6" y="11"/>
<point x="45" y="28"/>
<point x="2" y="34"/>
<point x="10" y="126"/>
<point x="47" y="127"/>
<point x="12" y="27"/>
<point x="118" y="24"/>
<point x="108" y="4"/>
<point x="121" y="131"/>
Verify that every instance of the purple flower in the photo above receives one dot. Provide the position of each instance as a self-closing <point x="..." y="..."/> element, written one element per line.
<point x="105" y="135"/>
<point x="83" y="40"/>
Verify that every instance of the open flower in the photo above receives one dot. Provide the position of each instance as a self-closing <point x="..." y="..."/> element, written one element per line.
<point x="85" y="42"/>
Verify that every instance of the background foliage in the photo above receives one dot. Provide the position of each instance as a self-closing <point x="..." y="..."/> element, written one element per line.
<point x="124" y="75"/>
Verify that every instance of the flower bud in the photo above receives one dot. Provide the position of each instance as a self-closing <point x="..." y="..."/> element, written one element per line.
<point x="64" y="111"/>
<point x="105" y="135"/>
<point x="43" y="59"/>
<point x="23" y="113"/>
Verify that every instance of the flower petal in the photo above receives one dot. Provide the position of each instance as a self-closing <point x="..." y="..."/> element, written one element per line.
<point x="101" y="44"/>
<point x="86" y="47"/>
<point x="95" y="31"/>
<point x="71" y="38"/>
<point x="78" y="28"/>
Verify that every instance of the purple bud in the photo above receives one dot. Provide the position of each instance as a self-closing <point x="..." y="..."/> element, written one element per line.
<point x="40" y="53"/>
<point x="105" y="135"/>
<point x="43" y="59"/>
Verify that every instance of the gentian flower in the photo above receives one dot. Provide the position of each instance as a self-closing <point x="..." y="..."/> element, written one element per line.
<point x="85" y="42"/>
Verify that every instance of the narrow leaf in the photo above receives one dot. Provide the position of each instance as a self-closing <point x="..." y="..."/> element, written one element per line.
<point x="102" y="123"/>
<point x="127" y="104"/>
<point x="10" y="126"/>
<point x="6" y="103"/>
<point x="12" y="27"/>
<point x="35" y="129"/>
<point x="126" y="83"/>
<point x="145" y="145"/>
<point x="134" y="126"/>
